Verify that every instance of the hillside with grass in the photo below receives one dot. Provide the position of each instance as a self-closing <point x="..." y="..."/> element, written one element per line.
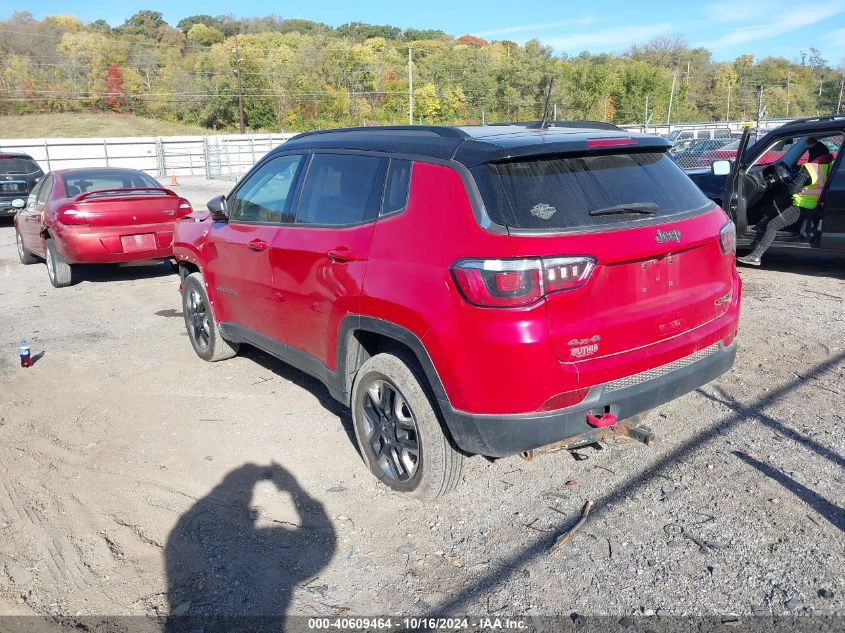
<point x="82" y="124"/>
<point x="297" y="74"/>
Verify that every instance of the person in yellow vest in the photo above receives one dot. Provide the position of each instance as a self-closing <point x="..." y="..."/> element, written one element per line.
<point x="806" y="188"/>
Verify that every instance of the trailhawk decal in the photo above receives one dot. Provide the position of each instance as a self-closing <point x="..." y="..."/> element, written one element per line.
<point x="584" y="347"/>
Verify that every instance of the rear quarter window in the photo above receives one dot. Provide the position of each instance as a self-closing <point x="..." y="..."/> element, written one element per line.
<point x="560" y="193"/>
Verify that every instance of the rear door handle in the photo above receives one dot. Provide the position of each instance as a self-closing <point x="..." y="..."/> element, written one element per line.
<point x="342" y="255"/>
<point x="258" y="245"/>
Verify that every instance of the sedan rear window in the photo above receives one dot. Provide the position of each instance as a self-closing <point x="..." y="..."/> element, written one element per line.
<point x="578" y="192"/>
<point x="84" y="181"/>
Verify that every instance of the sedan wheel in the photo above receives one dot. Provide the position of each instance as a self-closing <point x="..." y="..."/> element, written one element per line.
<point x="24" y="255"/>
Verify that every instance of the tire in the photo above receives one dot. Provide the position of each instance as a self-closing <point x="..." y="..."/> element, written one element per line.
<point x="386" y="438"/>
<point x="25" y="256"/>
<point x="203" y="330"/>
<point x="59" y="271"/>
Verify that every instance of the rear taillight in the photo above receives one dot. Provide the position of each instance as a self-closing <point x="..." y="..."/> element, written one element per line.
<point x="727" y="238"/>
<point x="72" y="215"/>
<point x="184" y="208"/>
<point x="566" y="273"/>
<point x="507" y="283"/>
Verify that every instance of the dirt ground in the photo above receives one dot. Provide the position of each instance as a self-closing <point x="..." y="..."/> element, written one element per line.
<point x="136" y="479"/>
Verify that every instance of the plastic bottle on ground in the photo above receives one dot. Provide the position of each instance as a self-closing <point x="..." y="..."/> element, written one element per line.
<point x="25" y="353"/>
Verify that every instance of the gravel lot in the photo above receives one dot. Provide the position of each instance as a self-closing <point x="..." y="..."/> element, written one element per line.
<point x="136" y="479"/>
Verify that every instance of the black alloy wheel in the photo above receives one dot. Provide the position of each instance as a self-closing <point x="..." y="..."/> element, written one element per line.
<point x="391" y="431"/>
<point x="196" y="316"/>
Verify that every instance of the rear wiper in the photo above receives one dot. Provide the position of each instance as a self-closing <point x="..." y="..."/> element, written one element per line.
<point x="647" y="208"/>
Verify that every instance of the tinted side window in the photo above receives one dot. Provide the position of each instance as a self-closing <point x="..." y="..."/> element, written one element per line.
<point x="397" y="186"/>
<point x="340" y="189"/>
<point x="44" y="192"/>
<point x="33" y="195"/>
<point x="265" y="196"/>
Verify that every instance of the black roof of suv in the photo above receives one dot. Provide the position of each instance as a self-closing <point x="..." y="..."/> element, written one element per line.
<point x="471" y="144"/>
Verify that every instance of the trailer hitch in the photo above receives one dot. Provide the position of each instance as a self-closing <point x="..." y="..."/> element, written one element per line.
<point x="624" y="430"/>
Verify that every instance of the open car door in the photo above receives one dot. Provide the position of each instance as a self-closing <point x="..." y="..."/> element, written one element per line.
<point x="833" y="209"/>
<point x="734" y="199"/>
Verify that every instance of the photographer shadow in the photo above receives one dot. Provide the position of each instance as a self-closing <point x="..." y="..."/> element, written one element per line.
<point x="227" y="573"/>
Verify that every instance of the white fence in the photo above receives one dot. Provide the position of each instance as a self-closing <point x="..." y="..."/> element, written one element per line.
<point x="220" y="156"/>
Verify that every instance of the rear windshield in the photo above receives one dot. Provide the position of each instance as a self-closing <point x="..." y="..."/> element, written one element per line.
<point x="577" y="192"/>
<point x="22" y="166"/>
<point x="85" y="181"/>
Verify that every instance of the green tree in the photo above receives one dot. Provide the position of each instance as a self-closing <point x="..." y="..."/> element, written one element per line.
<point x="203" y="35"/>
<point x="144" y="24"/>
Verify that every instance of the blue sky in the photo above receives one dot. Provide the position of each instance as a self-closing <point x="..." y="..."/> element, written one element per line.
<point x="728" y="28"/>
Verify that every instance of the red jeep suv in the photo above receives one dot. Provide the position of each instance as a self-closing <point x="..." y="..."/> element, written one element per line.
<point x="468" y="290"/>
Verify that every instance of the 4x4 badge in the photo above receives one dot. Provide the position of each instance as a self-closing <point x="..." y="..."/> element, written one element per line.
<point x="668" y="236"/>
<point x="583" y="347"/>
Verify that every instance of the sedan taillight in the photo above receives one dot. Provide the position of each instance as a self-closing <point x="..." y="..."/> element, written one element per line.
<point x="507" y="283"/>
<point x="184" y="208"/>
<point x="71" y="215"/>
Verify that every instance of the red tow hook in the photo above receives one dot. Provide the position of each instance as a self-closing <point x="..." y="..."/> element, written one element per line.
<point x="601" y="421"/>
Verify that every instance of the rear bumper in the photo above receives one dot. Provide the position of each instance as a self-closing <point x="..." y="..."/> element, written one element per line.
<point x="501" y="435"/>
<point x="84" y="245"/>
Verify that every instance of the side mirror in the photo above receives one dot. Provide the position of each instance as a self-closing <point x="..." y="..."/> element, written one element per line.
<point x="18" y="203"/>
<point x="721" y="167"/>
<point x="217" y="208"/>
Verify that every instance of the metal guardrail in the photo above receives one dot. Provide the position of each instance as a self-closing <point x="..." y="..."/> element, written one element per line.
<point x="228" y="156"/>
<point x="219" y="156"/>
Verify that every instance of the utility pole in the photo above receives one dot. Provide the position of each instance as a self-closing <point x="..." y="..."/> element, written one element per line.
<point x="645" y="119"/>
<point x="819" y="99"/>
<point x="687" y="73"/>
<point x="554" y="116"/>
<point x="671" y="97"/>
<point x="839" y="102"/>
<point x="410" y="88"/>
<point x="240" y="94"/>
<point x="728" y="109"/>
<point x="760" y="106"/>
<point x="788" y="77"/>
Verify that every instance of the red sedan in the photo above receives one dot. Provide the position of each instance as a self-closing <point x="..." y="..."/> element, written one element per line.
<point x="728" y="152"/>
<point x="96" y="216"/>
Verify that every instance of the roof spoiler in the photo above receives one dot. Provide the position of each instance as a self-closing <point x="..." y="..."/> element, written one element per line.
<point x="105" y="193"/>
